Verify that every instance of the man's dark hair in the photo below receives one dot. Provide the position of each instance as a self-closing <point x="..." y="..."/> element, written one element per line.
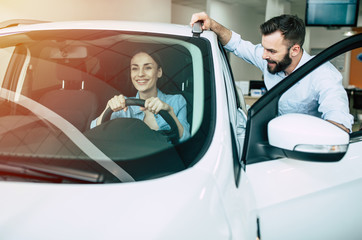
<point x="291" y="26"/>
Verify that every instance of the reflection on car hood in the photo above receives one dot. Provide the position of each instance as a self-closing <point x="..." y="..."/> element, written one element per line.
<point x="175" y="207"/>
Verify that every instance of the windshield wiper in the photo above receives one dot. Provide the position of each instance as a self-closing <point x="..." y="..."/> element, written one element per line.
<point x="54" y="174"/>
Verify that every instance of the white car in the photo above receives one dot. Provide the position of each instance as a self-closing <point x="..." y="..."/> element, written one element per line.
<point x="241" y="175"/>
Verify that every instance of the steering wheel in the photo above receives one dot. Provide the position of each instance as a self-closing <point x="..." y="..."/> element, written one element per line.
<point x="171" y="134"/>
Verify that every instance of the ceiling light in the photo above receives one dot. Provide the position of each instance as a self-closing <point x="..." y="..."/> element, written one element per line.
<point x="349" y="33"/>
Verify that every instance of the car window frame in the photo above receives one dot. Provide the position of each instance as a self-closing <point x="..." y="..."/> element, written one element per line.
<point x="233" y="106"/>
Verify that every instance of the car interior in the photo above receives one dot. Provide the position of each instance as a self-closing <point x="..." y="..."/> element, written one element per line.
<point x="104" y="73"/>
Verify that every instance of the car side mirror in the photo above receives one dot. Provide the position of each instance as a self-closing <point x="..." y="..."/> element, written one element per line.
<point x="307" y="137"/>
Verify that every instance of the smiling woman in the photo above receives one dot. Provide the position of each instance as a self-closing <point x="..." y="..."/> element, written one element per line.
<point x="145" y="70"/>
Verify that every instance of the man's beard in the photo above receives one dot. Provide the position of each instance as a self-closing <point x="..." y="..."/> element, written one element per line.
<point x="280" y="66"/>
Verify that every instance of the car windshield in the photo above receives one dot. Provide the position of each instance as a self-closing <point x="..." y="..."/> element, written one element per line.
<point x="56" y="82"/>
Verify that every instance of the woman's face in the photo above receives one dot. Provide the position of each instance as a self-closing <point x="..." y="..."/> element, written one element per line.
<point x="144" y="72"/>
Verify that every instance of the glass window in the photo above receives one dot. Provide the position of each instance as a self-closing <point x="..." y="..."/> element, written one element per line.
<point x="63" y="81"/>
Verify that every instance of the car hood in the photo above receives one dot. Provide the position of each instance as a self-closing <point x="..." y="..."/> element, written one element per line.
<point x="174" y="207"/>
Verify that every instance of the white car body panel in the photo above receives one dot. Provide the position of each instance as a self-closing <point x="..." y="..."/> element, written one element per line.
<point x="293" y="191"/>
<point x="162" y="28"/>
<point x="172" y="207"/>
<point x="130" y="210"/>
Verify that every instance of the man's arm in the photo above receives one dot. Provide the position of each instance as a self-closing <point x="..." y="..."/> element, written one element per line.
<point x="223" y="34"/>
<point x="339" y="125"/>
<point x="332" y="98"/>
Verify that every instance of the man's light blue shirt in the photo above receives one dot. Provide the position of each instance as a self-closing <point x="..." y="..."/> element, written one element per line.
<point x="177" y="102"/>
<point x="320" y="93"/>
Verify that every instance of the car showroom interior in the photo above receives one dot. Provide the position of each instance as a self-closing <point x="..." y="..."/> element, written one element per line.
<point x="241" y="16"/>
<point x="181" y="119"/>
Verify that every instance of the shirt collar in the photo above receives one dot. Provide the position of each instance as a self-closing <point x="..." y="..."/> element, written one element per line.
<point x="305" y="58"/>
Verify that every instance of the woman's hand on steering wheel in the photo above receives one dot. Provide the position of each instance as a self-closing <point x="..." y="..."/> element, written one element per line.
<point x="118" y="103"/>
<point x="155" y="105"/>
<point x="172" y="134"/>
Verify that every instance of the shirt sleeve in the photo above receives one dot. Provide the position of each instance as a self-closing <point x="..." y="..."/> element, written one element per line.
<point x="114" y="115"/>
<point x="181" y="114"/>
<point x="93" y="123"/>
<point x="333" y="99"/>
<point x="245" y="50"/>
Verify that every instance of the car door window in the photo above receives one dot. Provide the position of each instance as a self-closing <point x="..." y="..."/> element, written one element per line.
<point x="236" y="114"/>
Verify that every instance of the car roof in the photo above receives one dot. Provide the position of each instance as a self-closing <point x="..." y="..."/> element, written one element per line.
<point x="150" y="27"/>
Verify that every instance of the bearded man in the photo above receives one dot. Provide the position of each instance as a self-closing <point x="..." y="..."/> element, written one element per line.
<point x="320" y="93"/>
